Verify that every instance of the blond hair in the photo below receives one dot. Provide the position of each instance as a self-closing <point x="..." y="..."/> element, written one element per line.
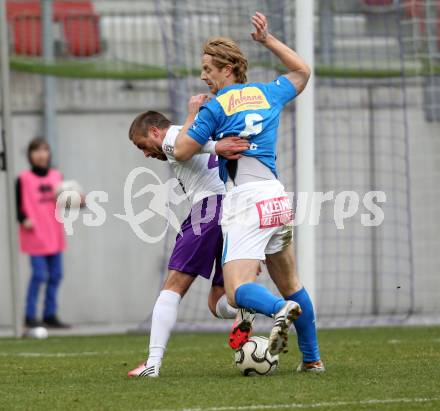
<point x="225" y="51"/>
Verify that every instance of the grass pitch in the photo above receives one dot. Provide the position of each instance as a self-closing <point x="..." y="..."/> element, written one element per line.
<point x="383" y="369"/>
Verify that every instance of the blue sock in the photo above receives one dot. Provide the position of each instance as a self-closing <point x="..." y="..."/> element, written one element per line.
<point x="305" y="326"/>
<point x="255" y="297"/>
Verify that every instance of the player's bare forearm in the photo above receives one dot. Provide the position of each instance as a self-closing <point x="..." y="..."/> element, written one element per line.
<point x="185" y="146"/>
<point x="299" y="71"/>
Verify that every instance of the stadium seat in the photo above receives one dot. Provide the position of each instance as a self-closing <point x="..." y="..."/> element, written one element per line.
<point x="64" y="8"/>
<point x="82" y="34"/>
<point x="26" y="34"/>
<point x="416" y="9"/>
<point x="378" y="2"/>
<point x="14" y="8"/>
<point x="25" y="27"/>
<point x="80" y="27"/>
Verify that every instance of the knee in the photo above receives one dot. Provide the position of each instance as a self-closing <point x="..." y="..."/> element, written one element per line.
<point x="238" y="273"/>
<point x="178" y="282"/>
<point x="39" y="276"/>
<point x="56" y="276"/>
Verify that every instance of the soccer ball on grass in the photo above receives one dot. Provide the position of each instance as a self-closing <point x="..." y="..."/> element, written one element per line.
<point x="253" y="357"/>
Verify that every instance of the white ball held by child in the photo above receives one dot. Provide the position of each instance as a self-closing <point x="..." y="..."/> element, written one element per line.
<point x="69" y="194"/>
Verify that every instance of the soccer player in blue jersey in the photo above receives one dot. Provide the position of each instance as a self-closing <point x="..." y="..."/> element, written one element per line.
<point x="257" y="214"/>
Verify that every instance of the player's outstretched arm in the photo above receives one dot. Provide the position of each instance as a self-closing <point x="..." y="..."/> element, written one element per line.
<point x="299" y="71"/>
<point x="185" y="146"/>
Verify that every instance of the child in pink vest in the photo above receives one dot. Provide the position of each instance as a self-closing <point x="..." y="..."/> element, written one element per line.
<point x="41" y="235"/>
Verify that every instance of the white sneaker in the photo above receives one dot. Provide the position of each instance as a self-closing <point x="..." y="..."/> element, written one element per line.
<point x="314" y="367"/>
<point x="143" y="371"/>
<point x="280" y="331"/>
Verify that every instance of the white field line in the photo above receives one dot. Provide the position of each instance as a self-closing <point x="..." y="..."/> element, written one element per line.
<point x="83" y="353"/>
<point x="66" y="354"/>
<point x="312" y="405"/>
<point x="400" y="341"/>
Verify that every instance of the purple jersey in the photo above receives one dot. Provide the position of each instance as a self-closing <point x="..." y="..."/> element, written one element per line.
<point x="198" y="176"/>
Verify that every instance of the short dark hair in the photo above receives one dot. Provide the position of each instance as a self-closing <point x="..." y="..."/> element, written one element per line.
<point x="145" y="120"/>
<point x="35" y="144"/>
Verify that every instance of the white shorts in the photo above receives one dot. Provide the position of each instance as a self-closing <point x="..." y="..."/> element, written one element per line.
<point x="257" y="220"/>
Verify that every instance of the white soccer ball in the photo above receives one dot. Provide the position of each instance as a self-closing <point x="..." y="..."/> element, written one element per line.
<point x="253" y="357"/>
<point x="69" y="194"/>
<point x="39" y="333"/>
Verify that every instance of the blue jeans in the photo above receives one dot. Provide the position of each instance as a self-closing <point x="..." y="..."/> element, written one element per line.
<point x="46" y="269"/>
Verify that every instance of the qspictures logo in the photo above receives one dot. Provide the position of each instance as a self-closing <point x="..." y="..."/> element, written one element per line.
<point x="158" y="212"/>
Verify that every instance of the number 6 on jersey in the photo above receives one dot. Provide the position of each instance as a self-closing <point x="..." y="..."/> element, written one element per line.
<point x="253" y="123"/>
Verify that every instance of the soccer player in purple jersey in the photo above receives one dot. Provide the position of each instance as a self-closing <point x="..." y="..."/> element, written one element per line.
<point x="257" y="214"/>
<point x="199" y="244"/>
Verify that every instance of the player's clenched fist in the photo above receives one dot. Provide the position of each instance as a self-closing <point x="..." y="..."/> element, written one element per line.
<point x="231" y="147"/>
<point x="195" y="102"/>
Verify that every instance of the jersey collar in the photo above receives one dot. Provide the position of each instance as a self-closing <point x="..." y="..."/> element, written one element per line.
<point x="227" y="88"/>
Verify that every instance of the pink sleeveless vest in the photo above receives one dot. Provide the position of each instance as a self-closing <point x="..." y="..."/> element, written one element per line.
<point x="39" y="205"/>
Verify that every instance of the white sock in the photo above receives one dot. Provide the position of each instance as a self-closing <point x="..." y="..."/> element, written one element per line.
<point x="224" y="310"/>
<point x="163" y="321"/>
